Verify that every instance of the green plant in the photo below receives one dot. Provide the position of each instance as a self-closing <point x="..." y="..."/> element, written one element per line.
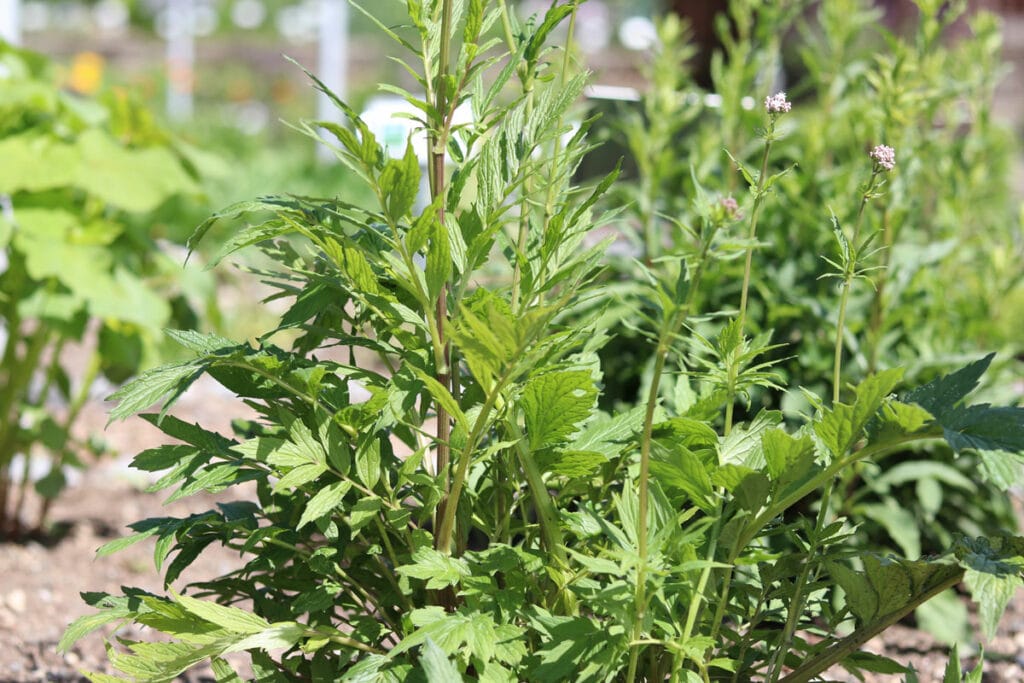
<point x="80" y="179"/>
<point x="947" y="215"/>
<point x="474" y="515"/>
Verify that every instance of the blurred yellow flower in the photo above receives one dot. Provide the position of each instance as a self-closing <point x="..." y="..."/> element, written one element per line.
<point x="86" y="74"/>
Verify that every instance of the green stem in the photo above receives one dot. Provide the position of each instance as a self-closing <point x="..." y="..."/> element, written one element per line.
<point x="660" y="358"/>
<point x="91" y="373"/>
<point x="854" y="641"/>
<point x="547" y="516"/>
<point x="877" y="317"/>
<point x="849" y="272"/>
<point x="755" y="213"/>
<point x="822" y="478"/>
<point x="796" y="605"/>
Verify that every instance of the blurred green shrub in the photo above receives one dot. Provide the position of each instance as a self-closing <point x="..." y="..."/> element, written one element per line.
<point x="79" y="182"/>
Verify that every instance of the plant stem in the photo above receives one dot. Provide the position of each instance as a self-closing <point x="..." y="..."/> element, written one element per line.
<point x="877" y="318"/>
<point x="438" y="141"/>
<point x="849" y="272"/>
<point x="661" y="356"/>
<point x="755" y="213"/>
<point x="812" y="667"/>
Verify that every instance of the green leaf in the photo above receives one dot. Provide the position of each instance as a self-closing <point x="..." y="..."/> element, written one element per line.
<point x="993" y="574"/>
<point x="609" y="435"/>
<point x="900" y="524"/>
<point x="85" y="625"/>
<point x="278" y="636"/>
<point x="946" y="617"/>
<point x="842" y="426"/>
<point x="555" y="404"/>
<point x="437" y="569"/>
<point x="34" y="162"/>
<point x="439" y="261"/>
<point x="229" y="618"/>
<point x="783" y="452"/>
<point x="153" y="385"/>
<point x="135" y="180"/>
<point x="677" y="467"/>
<point x="993" y="593"/>
<point x="324" y="502"/>
<point x="742" y="446"/>
<point x="223" y="671"/>
<point x="363" y="512"/>
<point x="443" y="397"/>
<point x="897" y="418"/>
<point x="119" y="544"/>
<point x="577" y="464"/>
<point x="436" y="665"/>
<point x="943" y="394"/>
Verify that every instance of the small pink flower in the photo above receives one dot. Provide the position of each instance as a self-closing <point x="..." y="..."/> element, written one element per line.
<point x="777" y="104"/>
<point x="884" y="156"/>
<point x="732" y="208"/>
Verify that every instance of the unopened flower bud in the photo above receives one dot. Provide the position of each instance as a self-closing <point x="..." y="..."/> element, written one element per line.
<point x="731" y="207"/>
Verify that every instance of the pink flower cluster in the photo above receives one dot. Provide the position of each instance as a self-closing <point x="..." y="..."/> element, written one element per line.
<point x="884" y="156"/>
<point x="777" y="104"/>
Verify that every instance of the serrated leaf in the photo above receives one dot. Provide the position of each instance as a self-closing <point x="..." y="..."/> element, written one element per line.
<point x="742" y="446"/>
<point x="201" y="344"/>
<point x="363" y="512"/>
<point x="229" y="618"/>
<point x="609" y="435"/>
<point x="436" y="665"/>
<point x="783" y="452"/>
<point x="82" y="626"/>
<point x="677" y="467"/>
<point x="992" y="593"/>
<point x="119" y="544"/>
<point x="324" y="502"/>
<point x="223" y="671"/>
<point x="861" y="597"/>
<point x="439" y="262"/>
<point x="443" y="397"/>
<point x="151" y="386"/>
<point x="577" y="464"/>
<point x="555" y="404"/>
<point x="896" y="419"/>
<point x="437" y="569"/>
<point x="842" y="426"/>
<point x="279" y="636"/>
<point x="943" y="394"/>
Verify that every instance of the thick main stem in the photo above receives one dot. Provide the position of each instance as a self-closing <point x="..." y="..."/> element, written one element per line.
<point x="442" y="355"/>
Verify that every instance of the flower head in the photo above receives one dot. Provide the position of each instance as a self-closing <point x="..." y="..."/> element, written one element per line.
<point x="777" y="104"/>
<point x="731" y="208"/>
<point x="884" y="156"/>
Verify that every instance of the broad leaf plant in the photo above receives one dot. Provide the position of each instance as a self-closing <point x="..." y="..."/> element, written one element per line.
<point x="437" y="495"/>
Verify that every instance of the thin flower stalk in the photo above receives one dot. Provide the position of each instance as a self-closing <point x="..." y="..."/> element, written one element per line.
<point x="665" y="337"/>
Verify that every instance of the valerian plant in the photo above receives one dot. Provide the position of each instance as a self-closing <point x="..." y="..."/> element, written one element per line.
<point x="437" y="495"/>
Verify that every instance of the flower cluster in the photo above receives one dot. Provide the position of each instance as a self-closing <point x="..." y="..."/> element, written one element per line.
<point x="777" y="104"/>
<point x="731" y="208"/>
<point x="884" y="156"/>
